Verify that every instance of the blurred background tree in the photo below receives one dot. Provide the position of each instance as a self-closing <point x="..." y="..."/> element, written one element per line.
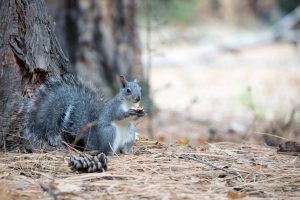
<point x="100" y="39"/>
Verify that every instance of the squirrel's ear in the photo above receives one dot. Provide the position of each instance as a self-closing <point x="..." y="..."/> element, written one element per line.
<point x="123" y="81"/>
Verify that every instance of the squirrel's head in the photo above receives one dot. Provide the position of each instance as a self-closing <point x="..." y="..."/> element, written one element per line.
<point x="131" y="90"/>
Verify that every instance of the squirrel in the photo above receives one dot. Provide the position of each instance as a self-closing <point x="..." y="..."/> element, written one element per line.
<point x="65" y="109"/>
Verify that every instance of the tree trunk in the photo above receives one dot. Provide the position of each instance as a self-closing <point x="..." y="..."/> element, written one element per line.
<point x="29" y="53"/>
<point x="100" y="37"/>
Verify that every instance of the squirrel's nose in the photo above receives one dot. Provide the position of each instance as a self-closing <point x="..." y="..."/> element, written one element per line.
<point x="138" y="99"/>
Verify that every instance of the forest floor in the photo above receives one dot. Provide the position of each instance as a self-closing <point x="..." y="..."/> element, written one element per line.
<point x="223" y="85"/>
<point x="157" y="171"/>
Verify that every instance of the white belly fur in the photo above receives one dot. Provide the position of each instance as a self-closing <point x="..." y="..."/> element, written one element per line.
<point x="122" y="127"/>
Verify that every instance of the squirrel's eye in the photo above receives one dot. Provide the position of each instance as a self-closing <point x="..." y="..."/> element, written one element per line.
<point x="128" y="90"/>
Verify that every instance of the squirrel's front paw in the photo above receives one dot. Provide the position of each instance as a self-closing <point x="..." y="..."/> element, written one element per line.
<point x="132" y="112"/>
<point x="139" y="113"/>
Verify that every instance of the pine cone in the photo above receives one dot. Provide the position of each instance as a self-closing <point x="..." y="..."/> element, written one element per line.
<point x="87" y="163"/>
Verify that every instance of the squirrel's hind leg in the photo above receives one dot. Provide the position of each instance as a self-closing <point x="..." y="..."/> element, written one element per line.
<point x="126" y="149"/>
<point x="103" y="138"/>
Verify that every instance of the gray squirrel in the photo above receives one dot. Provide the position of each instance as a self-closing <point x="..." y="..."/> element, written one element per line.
<point x="65" y="107"/>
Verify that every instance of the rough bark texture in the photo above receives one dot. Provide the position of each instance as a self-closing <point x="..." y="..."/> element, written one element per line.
<point x="29" y="53"/>
<point x="101" y="39"/>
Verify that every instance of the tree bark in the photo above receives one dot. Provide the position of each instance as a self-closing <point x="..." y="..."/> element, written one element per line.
<point x="100" y="37"/>
<point x="29" y="53"/>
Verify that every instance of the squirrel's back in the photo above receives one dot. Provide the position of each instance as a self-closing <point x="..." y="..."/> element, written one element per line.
<point x="59" y="109"/>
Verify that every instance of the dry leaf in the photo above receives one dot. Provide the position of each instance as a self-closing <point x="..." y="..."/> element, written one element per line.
<point x="183" y="142"/>
<point x="236" y="194"/>
<point x="201" y="141"/>
<point x="162" y="138"/>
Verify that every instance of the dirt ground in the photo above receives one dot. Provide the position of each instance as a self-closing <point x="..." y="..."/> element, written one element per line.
<point x="204" y="91"/>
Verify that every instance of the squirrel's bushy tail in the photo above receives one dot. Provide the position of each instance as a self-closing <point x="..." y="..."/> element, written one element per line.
<point x="60" y="104"/>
